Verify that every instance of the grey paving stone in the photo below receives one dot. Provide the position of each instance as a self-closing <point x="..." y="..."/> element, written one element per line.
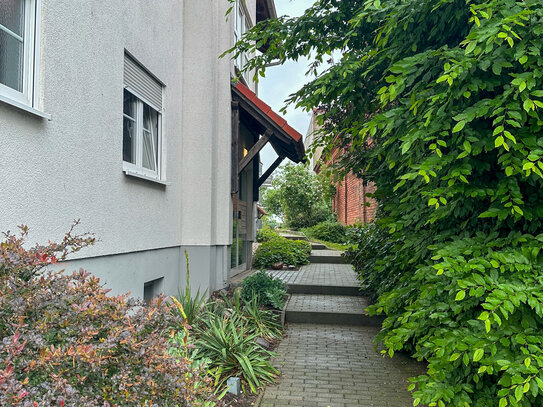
<point x="319" y="274"/>
<point x="336" y="365"/>
<point x="327" y="303"/>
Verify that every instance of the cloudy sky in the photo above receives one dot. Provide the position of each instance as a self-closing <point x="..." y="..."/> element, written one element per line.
<point x="281" y="81"/>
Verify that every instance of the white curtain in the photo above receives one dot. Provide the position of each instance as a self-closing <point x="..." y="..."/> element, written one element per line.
<point x="150" y="138"/>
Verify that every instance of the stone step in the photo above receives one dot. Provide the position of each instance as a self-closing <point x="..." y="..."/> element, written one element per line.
<point x="324" y="289"/>
<point x="294" y="237"/>
<point x="329" y="309"/>
<point x="318" y="246"/>
<point x="327" y="256"/>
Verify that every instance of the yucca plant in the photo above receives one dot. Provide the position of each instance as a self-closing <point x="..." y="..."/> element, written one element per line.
<point x="230" y="347"/>
<point x="191" y="305"/>
<point x="262" y="322"/>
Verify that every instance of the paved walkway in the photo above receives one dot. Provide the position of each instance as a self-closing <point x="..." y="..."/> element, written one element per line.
<point x="319" y="274"/>
<point x="337" y="366"/>
<point x="334" y="365"/>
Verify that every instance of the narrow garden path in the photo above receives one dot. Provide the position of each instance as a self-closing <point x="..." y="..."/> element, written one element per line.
<point x="327" y="357"/>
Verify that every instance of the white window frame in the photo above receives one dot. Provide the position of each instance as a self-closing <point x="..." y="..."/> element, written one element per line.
<point x="137" y="169"/>
<point x="28" y="98"/>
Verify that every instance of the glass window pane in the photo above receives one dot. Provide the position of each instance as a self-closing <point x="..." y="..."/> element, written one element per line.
<point x="148" y="152"/>
<point x="150" y="138"/>
<point x="12" y="15"/>
<point x="129" y="140"/>
<point x="11" y="61"/>
<point x="129" y="107"/>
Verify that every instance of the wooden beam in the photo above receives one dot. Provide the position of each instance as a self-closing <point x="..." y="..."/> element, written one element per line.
<point x="234" y="182"/>
<point x="254" y="151"/>
<point x="269" y="171"/>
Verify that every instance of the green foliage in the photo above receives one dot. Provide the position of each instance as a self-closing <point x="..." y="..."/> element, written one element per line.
<point x="334" y="232"/>
<point x="265" y="235"/>
<point x="269" y="222"/>
<point x="281" y="250"/>
<point x="228" y="346"/>
<point x="264" y="289"/>
<point x="192" y="305"/>
<point x="371" y="250"/>
<point x="66" y="342"/>
<point x="302" y="245"/>
<point x="438" y="102"/>
<point x="261" y="321"/>
<point x="300" y="196"/>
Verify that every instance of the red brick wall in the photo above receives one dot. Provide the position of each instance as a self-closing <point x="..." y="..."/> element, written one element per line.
<point x="349" y="201"/>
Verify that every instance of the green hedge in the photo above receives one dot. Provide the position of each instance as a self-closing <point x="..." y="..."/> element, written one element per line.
<point x="289" y="252"/>
<point x="265" y="234"/>
<point x="334" y="232"/>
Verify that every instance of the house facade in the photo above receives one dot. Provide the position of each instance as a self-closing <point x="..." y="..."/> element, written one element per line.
<point x="120" y="114"/>
<point x="351" y="202"/>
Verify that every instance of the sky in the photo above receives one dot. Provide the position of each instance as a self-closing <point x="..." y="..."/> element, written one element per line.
<point x="281" y="81"/>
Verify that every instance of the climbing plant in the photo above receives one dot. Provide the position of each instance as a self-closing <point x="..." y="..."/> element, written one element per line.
<point x="438" y="102"/>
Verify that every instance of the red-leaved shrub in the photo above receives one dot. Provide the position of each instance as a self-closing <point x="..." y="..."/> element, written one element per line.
<point x="67" y="343"/>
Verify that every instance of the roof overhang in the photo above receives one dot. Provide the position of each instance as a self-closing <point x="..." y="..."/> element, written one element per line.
<point x="265" y="9"/>
<point x="256" y="114"/>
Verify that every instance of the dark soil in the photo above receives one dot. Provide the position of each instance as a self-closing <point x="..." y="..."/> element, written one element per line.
<point x="243" y="400"/>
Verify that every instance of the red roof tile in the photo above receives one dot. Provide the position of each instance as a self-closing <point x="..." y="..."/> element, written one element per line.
<point x="264" y="108"/>
<point x="292" y="132"/>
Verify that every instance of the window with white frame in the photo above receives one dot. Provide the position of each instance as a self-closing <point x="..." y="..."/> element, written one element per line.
<point x="18" y="50"/>
<point x="240" y="28"/>
<point x="142" y="121"/>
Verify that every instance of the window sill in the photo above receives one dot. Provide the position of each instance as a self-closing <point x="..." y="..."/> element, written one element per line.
<point x="24" y="107"/>
<point x="132" y="173"/>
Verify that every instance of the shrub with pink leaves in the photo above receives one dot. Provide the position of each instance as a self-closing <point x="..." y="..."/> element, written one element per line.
<point x="66" y="342"/>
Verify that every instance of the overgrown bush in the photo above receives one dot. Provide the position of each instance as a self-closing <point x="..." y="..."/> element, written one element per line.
<point x="371" y="250"/>
<point x="303" y="245"/>
<point x="265" y="289"/>
<point x="334" y="232"/>
<point x="265" y="235"/>
<point x="281" y="250"/>
<point x="67" y="343"/>
<point x="439" y="103"/>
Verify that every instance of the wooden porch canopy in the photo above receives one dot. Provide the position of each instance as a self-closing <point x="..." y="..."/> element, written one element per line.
<point x="264" y="122"/>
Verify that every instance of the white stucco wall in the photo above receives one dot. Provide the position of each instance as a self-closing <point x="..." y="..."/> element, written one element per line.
<point x="52" y="172"/>
<point x="71" y="167"/>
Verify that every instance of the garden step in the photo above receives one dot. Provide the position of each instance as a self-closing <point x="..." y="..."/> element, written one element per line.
<point x="294" y="237"/>
<point x="329" y="309"/>
<point x="327" y="256"/>
<point x="324" y="289"/>
<point x="318" y="246"/>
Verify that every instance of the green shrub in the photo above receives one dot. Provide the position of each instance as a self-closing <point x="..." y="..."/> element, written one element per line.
<point x="303" y="245"/>
<point x="266" y="289"/>
<point x="334" y="232"/>
<point x="280" y="250"/>
<point x="265" y="235"/>
<point x="227" y="345"/>
<point x="66" y="342"/>
<point x="371" y="250"/>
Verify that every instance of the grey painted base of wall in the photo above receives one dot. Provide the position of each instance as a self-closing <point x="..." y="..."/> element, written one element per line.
<point x="129" y="272"/>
